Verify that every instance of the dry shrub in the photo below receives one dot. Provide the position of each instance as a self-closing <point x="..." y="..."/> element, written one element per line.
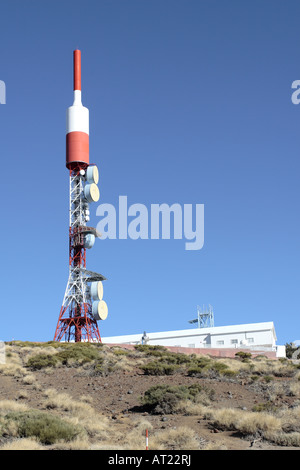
<point x="106" y="446"/>
<point x="297" y="374"/>
<point x="243" y="421"/>
<point x="13" y="370"/>
<point x="65" y="402"/>
<point x="291" y="439"/>
<point x="86" y="399"/>
<point x="215" y="446"/>
<point x="28" y="352"/>
<point x="112" y="436"/>
<point x="12" y="355"/>
<point x="274" y="391"/>
<point x="41" y="361"/>
<point x="80" y="413"/>
<point x="106" y="364"/>
<point x="123" y="363"/>
<point x="267" y="366"/>
<point x="159" y="368"/>
<point x="7" y="427"/>
<point x="164" y="399"/>
<point x="23" y="444"/>
<point x="13" y="363"/>
<point x="95" y="425"/>
<point x="224" y="418"/>
<point x="22" y="394"/>
<point x="190" y="408"/>
<point x="182" y="438"/>
<point x="290" y="419"/>
<point x="29" y="379"/>
<point x="46" y="427"/>
<point x="77" y="444"/>
<point x="118" y="351"/>
<point x="294" y="389"/>
<point x="7" y="406"/>
<point x="234" y="365"/>
<point x="254" y="422"/>
<point x="282" y="429"/>
<point x="134" y="437"/>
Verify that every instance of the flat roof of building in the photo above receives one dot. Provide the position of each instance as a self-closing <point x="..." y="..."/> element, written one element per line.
<point x="214" y="330"/>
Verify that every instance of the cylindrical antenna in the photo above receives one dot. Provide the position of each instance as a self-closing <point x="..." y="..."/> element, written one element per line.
<point x="77" y="132"/>
<point x="77" y="69"/>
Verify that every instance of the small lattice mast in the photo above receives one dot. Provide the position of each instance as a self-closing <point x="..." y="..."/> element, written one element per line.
<point x="83" y="303"/>
<point x="205" y="317"/>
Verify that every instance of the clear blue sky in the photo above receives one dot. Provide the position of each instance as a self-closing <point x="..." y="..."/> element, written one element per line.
<point x="190" y="102"/>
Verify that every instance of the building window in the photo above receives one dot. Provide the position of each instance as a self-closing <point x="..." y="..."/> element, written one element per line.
<point x="220" y="342"/>
<point x="191" y="345"/>
<point x="234" y="341"/>
<point x="250" y="340"/>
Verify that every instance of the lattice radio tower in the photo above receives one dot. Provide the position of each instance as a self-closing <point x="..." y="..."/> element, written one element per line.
<point x="83" y="303"/>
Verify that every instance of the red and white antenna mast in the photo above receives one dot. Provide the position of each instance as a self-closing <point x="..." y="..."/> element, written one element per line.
<point x="83" y="303"/>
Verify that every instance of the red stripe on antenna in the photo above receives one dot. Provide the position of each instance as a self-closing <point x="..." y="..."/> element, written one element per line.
<point x="77" y="69"/>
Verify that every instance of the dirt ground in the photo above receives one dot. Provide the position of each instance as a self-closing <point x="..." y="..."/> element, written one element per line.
<point x="117" y="396"/>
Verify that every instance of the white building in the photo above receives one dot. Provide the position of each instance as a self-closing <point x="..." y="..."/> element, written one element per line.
<point x="252" y="336"/>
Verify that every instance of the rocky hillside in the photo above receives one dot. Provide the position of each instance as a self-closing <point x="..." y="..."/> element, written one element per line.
<point x="90" y="396"/>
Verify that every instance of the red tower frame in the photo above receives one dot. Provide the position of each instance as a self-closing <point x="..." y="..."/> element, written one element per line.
<point x="76" y="321"/>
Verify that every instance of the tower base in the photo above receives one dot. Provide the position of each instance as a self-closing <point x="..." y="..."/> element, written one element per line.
<point x="74" y="327"/>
